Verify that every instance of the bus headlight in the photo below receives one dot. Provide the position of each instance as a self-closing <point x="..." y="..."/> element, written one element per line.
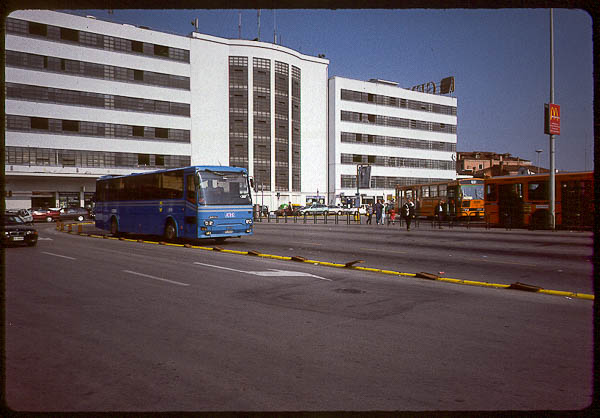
<point x="209" y="223"/>
<point x="248" y="221"/>
<point x="207" y="233"/>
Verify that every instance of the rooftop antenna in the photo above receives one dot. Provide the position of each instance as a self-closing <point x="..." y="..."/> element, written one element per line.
<point x="258" y="17"/>
<point x="195" y="24"/>
<point x="240" y="25"/>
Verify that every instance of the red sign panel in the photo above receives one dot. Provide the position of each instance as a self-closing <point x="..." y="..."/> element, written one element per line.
<point x="554" y="119"/>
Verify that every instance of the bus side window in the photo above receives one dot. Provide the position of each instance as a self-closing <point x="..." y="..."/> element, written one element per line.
<point x="491" y="193"/>
<point x="190" y="194"/>
<point x="537" y="190"/>
<point x="443" y="189"/>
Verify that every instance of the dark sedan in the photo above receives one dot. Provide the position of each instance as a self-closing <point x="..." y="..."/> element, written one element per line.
<point x="17" y="231"/>
<point x="78" y="214"/>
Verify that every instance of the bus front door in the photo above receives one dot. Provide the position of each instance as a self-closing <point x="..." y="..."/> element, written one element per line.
<point x="190" y="219"/>
<point x="510" y="205"/>
<point x="577" y="203"/>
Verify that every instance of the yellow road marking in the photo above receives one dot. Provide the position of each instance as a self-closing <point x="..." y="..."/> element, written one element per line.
<point x="390" y="272"/>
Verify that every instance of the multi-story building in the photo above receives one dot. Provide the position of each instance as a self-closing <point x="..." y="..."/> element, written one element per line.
<point x="86" y="98"/>
<point x="407" y="137"/>
<point x="489" y="164"/>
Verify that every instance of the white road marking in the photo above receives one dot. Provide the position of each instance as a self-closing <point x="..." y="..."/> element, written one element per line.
<point x="45" y="239"/>
<point x="58" y="255"/>
<point x="155" y="278"/>
<point x="270" y="273"/>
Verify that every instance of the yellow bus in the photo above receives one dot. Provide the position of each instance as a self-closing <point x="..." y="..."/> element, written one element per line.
<point x="460" y="199"/>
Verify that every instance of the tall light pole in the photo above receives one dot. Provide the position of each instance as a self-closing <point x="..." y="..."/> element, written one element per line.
<point x="552" y="181"/>
<point x="539" y="151"/>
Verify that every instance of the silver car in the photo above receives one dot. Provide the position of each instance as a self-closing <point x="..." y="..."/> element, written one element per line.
<point x="25" y="214"/>
<point x="316" y="208"/>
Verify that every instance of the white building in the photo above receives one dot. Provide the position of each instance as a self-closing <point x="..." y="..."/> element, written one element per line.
<point x="87" y="98"/>
<point x="407" y="137"/>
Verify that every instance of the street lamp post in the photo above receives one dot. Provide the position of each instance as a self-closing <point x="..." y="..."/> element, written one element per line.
<point x="539" y="151"/>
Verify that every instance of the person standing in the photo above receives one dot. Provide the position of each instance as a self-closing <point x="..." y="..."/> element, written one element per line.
<point x="384" y="213"/>
<point x="378" y="210"/>
<point x="369" y="214"/>
<point x="439" y="213"/>
<point x="408" y="212"/>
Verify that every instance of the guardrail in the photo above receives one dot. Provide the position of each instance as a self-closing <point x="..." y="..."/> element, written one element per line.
<point x="348" y="218"/>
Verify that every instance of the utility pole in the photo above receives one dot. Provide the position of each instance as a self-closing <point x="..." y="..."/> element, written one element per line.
<point x="552" y="182"/>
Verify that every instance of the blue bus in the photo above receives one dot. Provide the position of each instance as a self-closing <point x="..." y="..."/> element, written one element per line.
<point x="191" y="202"/>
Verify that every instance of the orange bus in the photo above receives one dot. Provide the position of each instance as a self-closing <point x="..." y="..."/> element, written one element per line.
<point x="461" y="198"/>
<point x="522" y="201"/>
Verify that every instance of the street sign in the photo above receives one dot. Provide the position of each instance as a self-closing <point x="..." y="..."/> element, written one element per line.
<point x="551" y="119"/>
<point x="364" y="176"/>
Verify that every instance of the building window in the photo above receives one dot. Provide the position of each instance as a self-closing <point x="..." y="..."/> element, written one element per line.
<point x="138" y="75"/>
<point x="159" y="160"/>
<point x="70" y="125"/>
<point x="138" y="130"/>
<point x="39" y="123"/>
<point x="143" y="159"/>
<point x="161" y="50"/>
<point x="137" y="46"/>
<point x="69" y="35"/>
<point x="161" y="133"/>
<point x="38" y="29"/>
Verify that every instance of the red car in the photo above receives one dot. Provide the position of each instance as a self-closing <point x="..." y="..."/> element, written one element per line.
<point x="46" y="215"/>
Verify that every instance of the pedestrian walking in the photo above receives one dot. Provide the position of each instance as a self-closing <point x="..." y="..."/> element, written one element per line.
<point x="369" y="214"/>
<point x="384" y="213"/>
<point x="408" y="212"/>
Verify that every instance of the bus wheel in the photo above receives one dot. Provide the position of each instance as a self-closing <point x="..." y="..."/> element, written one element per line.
<point x="170" y="231"/>
<point x="114" y="228"/>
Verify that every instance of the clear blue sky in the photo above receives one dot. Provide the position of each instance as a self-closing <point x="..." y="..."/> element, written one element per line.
<point x="500" y="60"/>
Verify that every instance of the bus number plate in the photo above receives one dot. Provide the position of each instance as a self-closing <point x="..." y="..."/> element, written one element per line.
<point x="229" y="231"/>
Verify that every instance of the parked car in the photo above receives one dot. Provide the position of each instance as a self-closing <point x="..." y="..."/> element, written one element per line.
<point x="316" y="208"/>
<point x="78" y="214"/>
<point x="335" y="209"/>
<point x="351" y="211"/>
<point x="46" y="215"/>
<point x="17" y="231"/>
<point x="23" y="213"/>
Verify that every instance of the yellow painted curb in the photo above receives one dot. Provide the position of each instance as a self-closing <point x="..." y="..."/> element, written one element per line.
<point x="374" y="270"/>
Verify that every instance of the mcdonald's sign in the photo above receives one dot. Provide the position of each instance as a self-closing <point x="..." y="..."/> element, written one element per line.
<point x="551" y="119"/>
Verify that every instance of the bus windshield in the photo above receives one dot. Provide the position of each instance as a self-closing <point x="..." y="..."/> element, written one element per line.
<point x="223" y="188"/>
<point x="472" y="191"/>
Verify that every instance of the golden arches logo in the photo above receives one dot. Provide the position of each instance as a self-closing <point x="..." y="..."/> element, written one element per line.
<point x="554" y="112"/>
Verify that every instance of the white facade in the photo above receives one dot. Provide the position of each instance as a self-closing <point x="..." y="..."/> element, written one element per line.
<point x="407" y="137"/>
<point x="37" y="169"/>
<point x="108" y="76"/>
<point x="210" y="126"/>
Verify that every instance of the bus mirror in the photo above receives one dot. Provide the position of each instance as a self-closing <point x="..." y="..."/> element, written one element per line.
<point x="197" y="179"/>
<point x="252" y="184"/>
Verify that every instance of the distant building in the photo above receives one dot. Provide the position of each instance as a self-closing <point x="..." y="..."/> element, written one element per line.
<point x="491" y="164"/>
<point x="407" y="137"/>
